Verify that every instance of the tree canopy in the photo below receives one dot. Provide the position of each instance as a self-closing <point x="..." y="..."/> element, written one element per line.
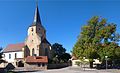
<point x="59" y="53"/>
<point x="58" y="49"/>
<point x="97" y="39"/>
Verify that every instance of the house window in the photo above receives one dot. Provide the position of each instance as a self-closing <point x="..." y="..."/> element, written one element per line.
<point x="9" y="56"/>
<point x="15" y="55"/>
<point x="39" y="64"/>
<point x="3" y="55"/>
<point x="43" y="64"/>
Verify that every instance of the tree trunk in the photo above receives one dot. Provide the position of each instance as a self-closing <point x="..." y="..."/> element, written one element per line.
<point x="91" y="64"/>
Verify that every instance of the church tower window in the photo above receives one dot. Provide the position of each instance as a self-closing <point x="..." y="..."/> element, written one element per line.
<point x="37" y="46"/>
<point x="32" y="29"/>
<point x="33" y="52"/>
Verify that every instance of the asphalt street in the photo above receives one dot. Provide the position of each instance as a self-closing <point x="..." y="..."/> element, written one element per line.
<point x="77" y="70"/>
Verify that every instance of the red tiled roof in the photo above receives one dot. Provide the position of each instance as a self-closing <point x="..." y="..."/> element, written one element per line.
<point x="37" y="59"/>
<point x="14" y="47"/>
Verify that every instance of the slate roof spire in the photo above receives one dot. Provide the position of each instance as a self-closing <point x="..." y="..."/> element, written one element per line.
<point x="37" y="15"/>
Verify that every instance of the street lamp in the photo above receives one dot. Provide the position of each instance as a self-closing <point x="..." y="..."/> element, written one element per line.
<point x="106" y="60"/>
<point x="84" y="62"/>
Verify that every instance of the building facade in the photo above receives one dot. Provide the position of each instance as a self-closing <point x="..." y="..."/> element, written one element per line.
<point x="35" y="50"/>
<point x="13" y="51"/>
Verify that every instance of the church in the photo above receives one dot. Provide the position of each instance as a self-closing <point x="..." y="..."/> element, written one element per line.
<point x="35" y="51"/>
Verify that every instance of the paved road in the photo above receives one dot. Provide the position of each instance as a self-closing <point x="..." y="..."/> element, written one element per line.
<point x="77" y="70"/>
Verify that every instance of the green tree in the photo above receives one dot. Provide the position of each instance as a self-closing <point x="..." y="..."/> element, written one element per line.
<point x="117" y="52"/>
<point x="57" y="51"/>
<point x="1" y="55"/>
<point x="97" y="39"/>
<point x="65" y="57"/>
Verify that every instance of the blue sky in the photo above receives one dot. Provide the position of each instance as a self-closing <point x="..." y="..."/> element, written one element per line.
<point x="62" y="19"/>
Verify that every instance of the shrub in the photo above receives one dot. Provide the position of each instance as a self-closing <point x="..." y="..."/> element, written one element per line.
<point x="77" y="63"/>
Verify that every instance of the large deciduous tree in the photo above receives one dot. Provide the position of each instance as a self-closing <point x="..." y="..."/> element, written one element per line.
<point x="58" y="49"/>
<point x="59" y="54"/>
<point x="96" y="40"/>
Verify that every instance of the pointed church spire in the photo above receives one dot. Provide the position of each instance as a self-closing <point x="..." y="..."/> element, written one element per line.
<point x="37" y="15"/>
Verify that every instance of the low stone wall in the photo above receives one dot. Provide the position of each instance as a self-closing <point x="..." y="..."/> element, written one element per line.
<point x="35" y="66"/>
<point x="57" y="66"/>
<point x="28" y="69"/>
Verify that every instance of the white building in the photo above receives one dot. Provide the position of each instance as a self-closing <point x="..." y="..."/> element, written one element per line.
<point x="13" y="52"/>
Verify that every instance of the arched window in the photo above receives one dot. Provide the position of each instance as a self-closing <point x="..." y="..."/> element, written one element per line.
<point x="33" y="51"/>
<point x="31" y="29"/>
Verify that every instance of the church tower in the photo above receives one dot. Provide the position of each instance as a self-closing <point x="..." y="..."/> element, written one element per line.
<point x="36" y="40"/>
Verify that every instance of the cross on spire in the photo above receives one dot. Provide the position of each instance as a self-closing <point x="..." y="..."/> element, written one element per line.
<point x="36" y="2"/>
